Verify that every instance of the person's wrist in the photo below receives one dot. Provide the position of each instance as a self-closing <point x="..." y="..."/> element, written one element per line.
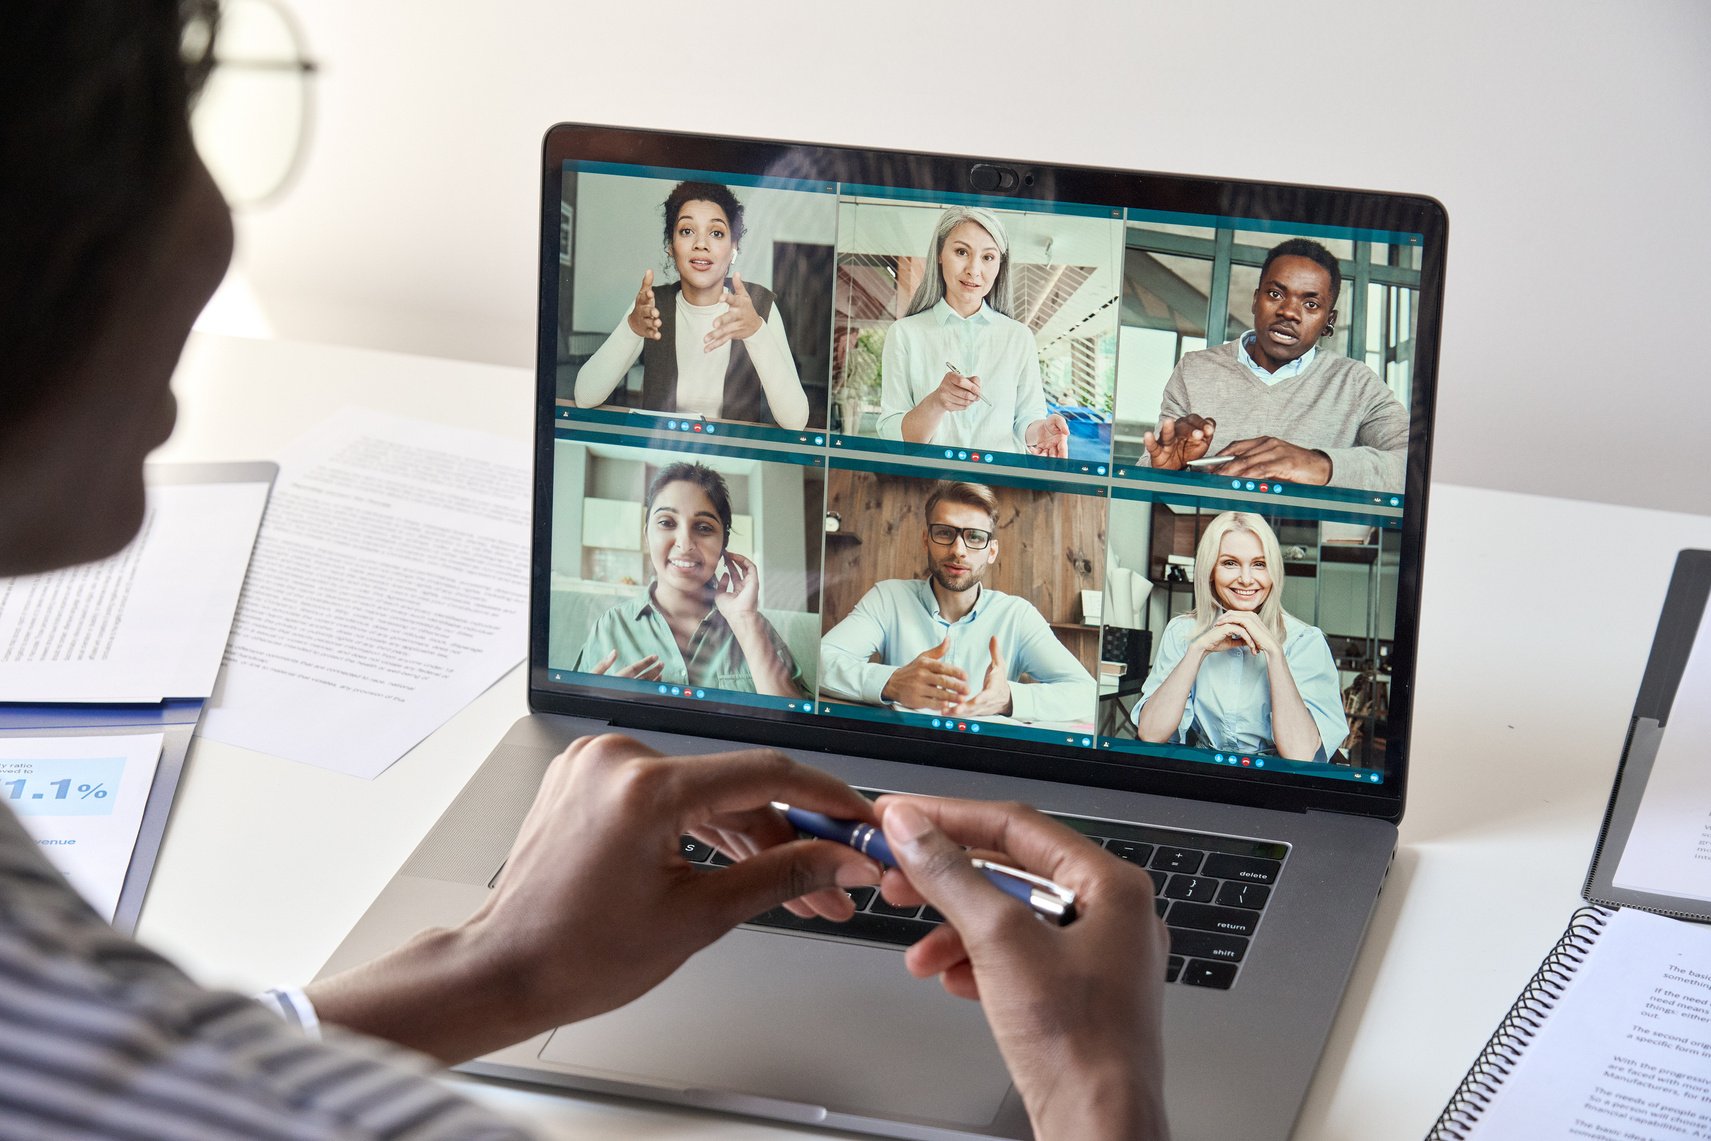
<point x="1105" y="1101"/>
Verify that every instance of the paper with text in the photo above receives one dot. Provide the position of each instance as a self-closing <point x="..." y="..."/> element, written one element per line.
<point x="82" y="799"/>
<point x="1669" y="846"/>
<point x="1626" y="1052"/>
<point x="147" y="624"/>
<point x="389" y="587"/>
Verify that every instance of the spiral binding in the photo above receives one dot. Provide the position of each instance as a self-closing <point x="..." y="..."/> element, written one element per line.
<point x="1524" y="1020"/>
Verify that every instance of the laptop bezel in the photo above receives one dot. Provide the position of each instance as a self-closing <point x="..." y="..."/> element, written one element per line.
<point x="1223" y="198"/>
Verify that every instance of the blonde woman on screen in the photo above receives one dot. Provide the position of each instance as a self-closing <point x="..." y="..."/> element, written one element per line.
<point x="959" y="370"/>
<point x="1238" y="673"/>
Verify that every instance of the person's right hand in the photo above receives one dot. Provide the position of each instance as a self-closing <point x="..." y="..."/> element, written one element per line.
<point x="1178" y="440"/>
<point x="1076" y="1010"/>
<point x="928" y="682"/>
<point x="956" y="391"/>
<point x="644" y="314"/>
<point x="646" y="669"/>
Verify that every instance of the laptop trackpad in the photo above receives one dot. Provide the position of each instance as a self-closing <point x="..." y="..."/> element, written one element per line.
<point x="828" y="1024"/>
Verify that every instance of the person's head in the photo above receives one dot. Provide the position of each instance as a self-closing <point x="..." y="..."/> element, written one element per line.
<point x="112" y="237"/>
<point x="1296" y="302"/>
<point x="687" y="525"/>
<point x="703" y="228"/>
<point x="968" y="261"/>
<point x="1239" y="566"/>
<point x="960" y="535"/>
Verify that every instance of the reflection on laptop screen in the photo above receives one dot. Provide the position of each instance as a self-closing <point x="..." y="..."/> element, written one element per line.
<point x="1115" y="484"/>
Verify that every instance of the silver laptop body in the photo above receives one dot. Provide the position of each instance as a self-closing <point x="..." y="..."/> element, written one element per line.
<point x="827" y="1031"/>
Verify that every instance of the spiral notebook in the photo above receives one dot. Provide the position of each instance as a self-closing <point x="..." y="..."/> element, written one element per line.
<point x="1612" y="1036"/>
<point x="1610" y="1039"/>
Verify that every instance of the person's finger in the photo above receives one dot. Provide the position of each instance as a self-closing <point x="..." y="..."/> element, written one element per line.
<point x="939" y="869"/>
<point x="1021" y="836"/>
<point x="716" y="784"/>
<point x="935" y="952"/>
<point x="652" y="673"/>
<point x="737" y="286"/>
<point x="782" y="875"/>
<point x="637" y="667"/>
<point x="647" y="291"/>
<point x="939" y="650"/>
<point x="605" y="663"/>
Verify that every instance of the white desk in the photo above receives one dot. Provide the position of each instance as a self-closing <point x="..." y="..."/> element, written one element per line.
<point x="1538" y="617"/>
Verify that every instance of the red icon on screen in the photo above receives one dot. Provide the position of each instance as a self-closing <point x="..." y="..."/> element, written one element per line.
<point x="1247" y="760"/>
<point x="962" y="724"/>
<point x="697" y="427"/>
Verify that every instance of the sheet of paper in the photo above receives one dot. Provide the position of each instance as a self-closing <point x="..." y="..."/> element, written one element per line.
<point x="1669" y="846"/>
<point x="388" y="588"/>
<point x="1626" y="1053"/>
<point x="147" y="624"/>
<point x="82" y="799"/>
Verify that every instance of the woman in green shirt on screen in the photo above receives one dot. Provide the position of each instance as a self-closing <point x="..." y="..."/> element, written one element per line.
<point x="699" y="623"/>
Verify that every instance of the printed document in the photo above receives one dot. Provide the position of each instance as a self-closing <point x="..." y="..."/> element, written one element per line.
<point x="147" y="624"/>
<point x="389" y="587"/>
<point x="82" y="798"/>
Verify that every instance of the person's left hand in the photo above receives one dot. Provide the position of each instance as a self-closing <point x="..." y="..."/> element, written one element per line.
<point x="596" y="904"/>
<point x="738" y="322"/>
<point x="994" y="695"/>
<point x="1267" y="457"/>
<point x="737" y="592"/>
<point x="1049" y="437"/>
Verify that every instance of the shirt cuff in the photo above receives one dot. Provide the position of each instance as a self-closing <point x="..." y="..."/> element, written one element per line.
<point x="293" y="1008"/>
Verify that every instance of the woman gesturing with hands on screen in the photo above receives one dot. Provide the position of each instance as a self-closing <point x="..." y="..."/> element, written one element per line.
<point x="699" y="622"/>
<point x="1237" y="672"/>
<point x="710" y="343"/>
<point x="959" y="370"/>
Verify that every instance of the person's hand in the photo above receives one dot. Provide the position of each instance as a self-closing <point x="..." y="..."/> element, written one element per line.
<point x="1049" y="437"/>
<point x="927" y="682"/>
<point x="1178" y="440"/>
<point x="1267" y="457"/>
<point x="644" y="314"/>
<point x="956" y="391"/>
<point x="737" y="592"/>
<point x="1241" y="628"/>
<point x="994" y="695"/>
<point x="738" y="322"/>
<point x="596" y="904"/>
<point x="1075" y="1010"/>
<point x="644" y="669"/>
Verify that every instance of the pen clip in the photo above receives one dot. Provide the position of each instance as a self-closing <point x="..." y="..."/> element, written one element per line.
<point x="1052" y="901"/>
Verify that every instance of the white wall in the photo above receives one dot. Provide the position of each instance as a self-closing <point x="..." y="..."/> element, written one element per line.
<point x="1569" y="139"/>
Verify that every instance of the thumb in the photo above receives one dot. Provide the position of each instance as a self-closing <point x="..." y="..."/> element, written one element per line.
<point x="938" y="868"/>
<point x="939" y="650"/>
<point x="997" y="662"/>
<point x="779" y="874"/>
<point x="737" y="284"/>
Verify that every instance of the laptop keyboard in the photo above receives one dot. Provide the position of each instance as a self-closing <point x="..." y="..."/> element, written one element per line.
<point x="1211" y="892"/>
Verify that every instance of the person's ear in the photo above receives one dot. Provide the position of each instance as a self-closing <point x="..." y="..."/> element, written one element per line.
<point x="1330" y="324"/>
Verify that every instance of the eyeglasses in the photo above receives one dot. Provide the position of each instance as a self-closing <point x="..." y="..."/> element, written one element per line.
<point x="253" y="117"/>
<point x="972" y="537"/>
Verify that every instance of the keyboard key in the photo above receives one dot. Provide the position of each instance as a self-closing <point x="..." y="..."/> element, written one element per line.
<point x="1207" y="945"/>
<point x="1177" y="860"/>
<point x="1197" y="889"/>
<point x="1243" y="868"/>
<point x="1204" y="917"/>
<point x="931" y="915"/>
<point x="867" y="927"/>
<point x="720" y="859"/>
<point x="1172" y="968"/>
<point x="880" y="907"/>
<point x="1131" y="850"/>
<point x="863" y="896"/>
<point x="1249" y="895"/>
<point x="1162" y="904"/>
<point x="695" y="851"/>
<point x="1198" y="972"/>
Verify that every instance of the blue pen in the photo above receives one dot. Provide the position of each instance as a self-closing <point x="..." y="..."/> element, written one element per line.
<point x="1050" y="901"/>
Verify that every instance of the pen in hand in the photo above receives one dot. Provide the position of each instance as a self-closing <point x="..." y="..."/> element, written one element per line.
<point x="1050" y="901"/>
<point x="961" y="373"/>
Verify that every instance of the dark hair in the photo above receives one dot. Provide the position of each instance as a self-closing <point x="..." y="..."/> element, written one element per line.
<point x="701" y="476"/>
<point x="713" y="192"/>
<point x="1313" y="252"/>
<point x="93" y="150"/>
<point x="968" y="494"/>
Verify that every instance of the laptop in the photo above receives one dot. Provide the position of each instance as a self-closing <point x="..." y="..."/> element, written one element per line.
<point x="902" y="400"/>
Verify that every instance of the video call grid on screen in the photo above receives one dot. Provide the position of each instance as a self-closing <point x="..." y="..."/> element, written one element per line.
<point x="1086" y="283"/>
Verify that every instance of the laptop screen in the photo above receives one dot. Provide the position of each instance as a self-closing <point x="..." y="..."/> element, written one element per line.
<point x="1058" y="471"/>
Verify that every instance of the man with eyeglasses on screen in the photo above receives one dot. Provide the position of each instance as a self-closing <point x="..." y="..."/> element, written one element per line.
<point x="949" y="643"/>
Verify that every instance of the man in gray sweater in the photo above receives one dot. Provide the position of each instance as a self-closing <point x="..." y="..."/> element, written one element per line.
<point x="1291" y="410"/>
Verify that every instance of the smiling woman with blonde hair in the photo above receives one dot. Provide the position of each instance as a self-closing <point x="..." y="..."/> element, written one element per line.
<point x="1238" y="672"/>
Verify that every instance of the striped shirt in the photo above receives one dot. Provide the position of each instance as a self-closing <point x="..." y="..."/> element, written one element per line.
<point x="101" y="1037"/>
